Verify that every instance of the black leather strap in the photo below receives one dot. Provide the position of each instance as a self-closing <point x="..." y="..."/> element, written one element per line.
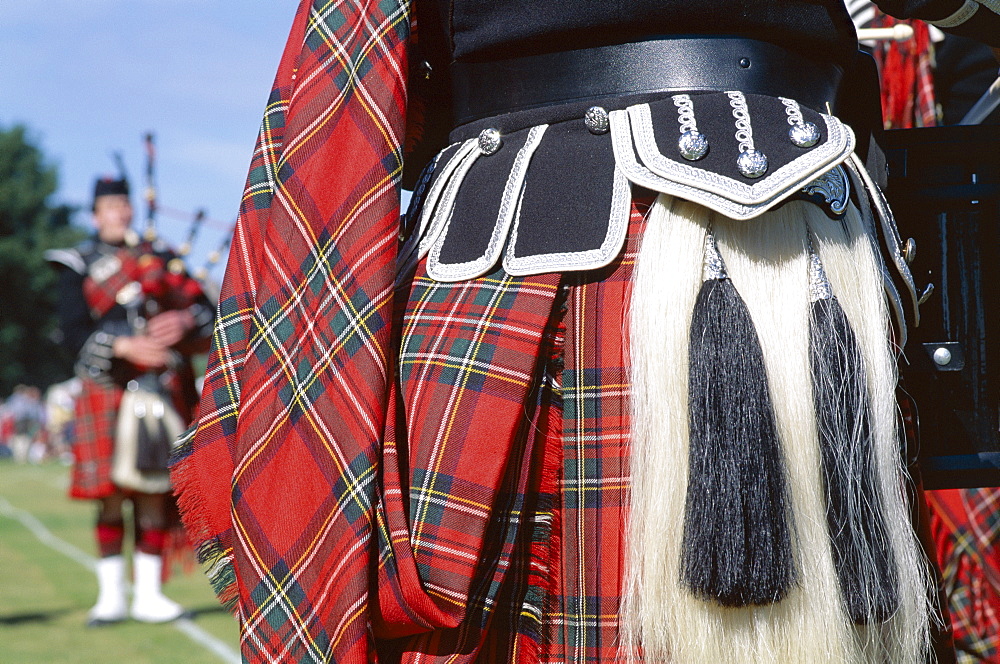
<point x="484" y="89"/>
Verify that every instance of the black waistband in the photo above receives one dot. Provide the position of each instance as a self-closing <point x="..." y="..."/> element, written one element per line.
<point x="484" y="89"/>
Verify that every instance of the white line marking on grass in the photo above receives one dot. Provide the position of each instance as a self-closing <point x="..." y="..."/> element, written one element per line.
<point x="199" y="635"/>
<point x="45" y="536"/>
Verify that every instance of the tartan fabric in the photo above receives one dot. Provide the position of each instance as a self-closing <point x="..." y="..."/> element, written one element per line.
<point x="94" y="439"/>
<point x="284" y="477"/>
<point x="538" y="577"/>
<point x="94" y="429"/>
<point x="582" y="613"/>
<point x="278" y="478"/>
<point x="100" y="295"/>
<point x="966" y="527"/>
<point x="907" y="77"/>
<point x="454" y="553"/>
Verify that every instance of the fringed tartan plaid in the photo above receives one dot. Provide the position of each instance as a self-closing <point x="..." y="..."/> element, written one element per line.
<point x="509" y="547"/>
<point x="278" y="480"/>
<point x="455" y="534"/>
<point x="966" y="528"/>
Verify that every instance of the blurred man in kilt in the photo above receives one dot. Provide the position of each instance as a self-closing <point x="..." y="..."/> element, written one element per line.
<point x="133" y="318"/>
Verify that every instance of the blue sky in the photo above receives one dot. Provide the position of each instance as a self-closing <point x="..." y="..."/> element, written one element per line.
<point x="90" y="77"/>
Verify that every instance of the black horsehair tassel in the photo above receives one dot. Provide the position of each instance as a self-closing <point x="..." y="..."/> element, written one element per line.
<point x="152" y="444"/>
<point x="144" y="444"/>
<point x="862" y="553"/>
<point x="737" y="547"/>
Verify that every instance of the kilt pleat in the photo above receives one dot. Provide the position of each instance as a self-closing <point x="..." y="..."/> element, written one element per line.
<point x="582" y="617"/>
<point x="511" y="535"/>
<point x="456" y="507"/>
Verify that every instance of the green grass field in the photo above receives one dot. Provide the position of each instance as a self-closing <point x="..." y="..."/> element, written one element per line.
<point x="45" y="592"/>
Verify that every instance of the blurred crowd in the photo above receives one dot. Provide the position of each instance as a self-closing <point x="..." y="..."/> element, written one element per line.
<point x="35" y="427"/>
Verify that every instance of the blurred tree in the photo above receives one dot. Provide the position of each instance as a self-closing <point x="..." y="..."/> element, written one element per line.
<point x="29" y="224"/>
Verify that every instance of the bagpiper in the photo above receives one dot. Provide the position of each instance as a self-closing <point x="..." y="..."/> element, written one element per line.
<point x="133" y="317"/>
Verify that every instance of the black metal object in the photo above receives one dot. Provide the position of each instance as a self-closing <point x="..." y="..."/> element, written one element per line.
<point x="944" y="187"/>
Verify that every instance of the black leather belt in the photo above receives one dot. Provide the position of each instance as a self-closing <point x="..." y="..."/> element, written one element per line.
<point x="485" y="89"/>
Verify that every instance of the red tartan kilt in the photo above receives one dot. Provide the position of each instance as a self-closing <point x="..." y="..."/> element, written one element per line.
<point x="94" y="431"/>
<point x="94" y="440"/>
<point x="467" y="349"/>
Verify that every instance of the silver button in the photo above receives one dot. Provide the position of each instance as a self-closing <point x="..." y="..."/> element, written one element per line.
<point x="693" y="145"/>
<point x="128" y="293"/>
<point x="752" y="163"/>
<point x="804" y="135"/>
<point x="596" y="119"/>
<point x="489" y="140"/>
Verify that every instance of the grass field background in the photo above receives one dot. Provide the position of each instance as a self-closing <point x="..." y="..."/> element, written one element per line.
<point x="45" y="592"/>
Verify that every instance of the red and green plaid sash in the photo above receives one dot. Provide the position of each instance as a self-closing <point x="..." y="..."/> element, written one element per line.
<point x="100" y="295"/>
<point x="279" y="478"/>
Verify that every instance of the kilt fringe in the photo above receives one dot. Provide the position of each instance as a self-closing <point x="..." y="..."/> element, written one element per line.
<point x="546" y="538"/>
<point x="212" y="554"/>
